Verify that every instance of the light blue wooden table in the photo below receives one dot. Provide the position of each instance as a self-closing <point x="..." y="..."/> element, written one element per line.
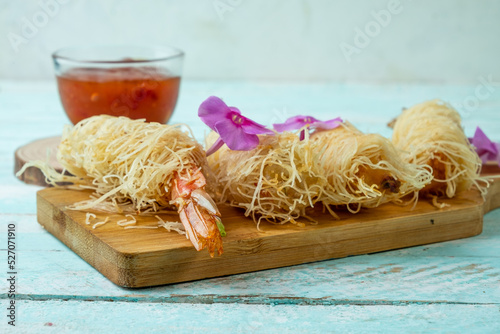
<point x="451" y="287"/>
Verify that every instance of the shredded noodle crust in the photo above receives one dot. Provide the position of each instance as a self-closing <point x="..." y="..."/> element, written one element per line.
<point x="128" y="164"/>
<point x="284" y="176"/>
<point x="431" y="133"/>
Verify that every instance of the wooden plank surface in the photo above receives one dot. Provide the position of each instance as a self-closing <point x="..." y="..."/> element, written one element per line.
<point x="443" y="287"/>
<point x="47" y="317"/>
<point x="455" y="272"/>
<point x="145" y="257"/>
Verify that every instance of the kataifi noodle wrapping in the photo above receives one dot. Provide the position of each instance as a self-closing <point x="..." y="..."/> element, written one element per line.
<point x="129" y="164"/>
<point x="283" y="177"/>
<point x="365" y="170"/>
<point x="431" y="133"/>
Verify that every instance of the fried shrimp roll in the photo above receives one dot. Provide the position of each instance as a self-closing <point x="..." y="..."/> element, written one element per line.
<point x="431" y="133"/>
<point x="364" y="170"/>
<point x="284" y="176"/>
<point x="137" y="167"/>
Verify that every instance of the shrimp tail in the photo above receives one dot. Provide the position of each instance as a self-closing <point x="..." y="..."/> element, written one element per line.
<point x="198" y="212"/>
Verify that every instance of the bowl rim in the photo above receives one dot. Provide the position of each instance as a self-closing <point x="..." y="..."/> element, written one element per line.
<point x="58" y="54"/>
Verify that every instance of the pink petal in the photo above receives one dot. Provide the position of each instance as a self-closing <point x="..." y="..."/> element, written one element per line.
<point x="218" y="144"/>
<point x="254" y="128"/>
<point x="236" y="110"/>
<point x="302" y="135"/>
<point x="297" y="122"/>
<point x="294" y="123"/>
<point x="485" y="148"/>
<point x="328" y="125"/>
<point x="235" y="130"/>
<point x="235" y="137"/>
<point x="247" y="124"/>
<point x="213" y="110"/>
<point x="498" y="155"/>
<point x="281" y="127"/>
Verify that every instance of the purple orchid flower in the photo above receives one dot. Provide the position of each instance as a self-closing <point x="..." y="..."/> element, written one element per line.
<point x="298" y="122"/>
<point x="235" y="130"/>
<point x="485" y="148"/>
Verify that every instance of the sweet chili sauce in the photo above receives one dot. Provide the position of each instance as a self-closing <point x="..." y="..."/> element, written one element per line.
<point x="135" y="92"/>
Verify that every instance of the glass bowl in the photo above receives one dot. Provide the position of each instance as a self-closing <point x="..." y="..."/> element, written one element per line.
<point x="133" y="81"/>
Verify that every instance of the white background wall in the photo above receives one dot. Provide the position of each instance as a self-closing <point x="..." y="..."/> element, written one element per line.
<point x="445" y="41"/>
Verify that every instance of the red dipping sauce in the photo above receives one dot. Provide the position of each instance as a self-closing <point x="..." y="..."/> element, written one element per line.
<point x="135" y="92"/>
<point x="120" y="80"/>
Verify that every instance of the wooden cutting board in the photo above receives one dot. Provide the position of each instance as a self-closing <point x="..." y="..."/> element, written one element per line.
<point x="44" y="149"/>
<point x="147" y="257"/>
